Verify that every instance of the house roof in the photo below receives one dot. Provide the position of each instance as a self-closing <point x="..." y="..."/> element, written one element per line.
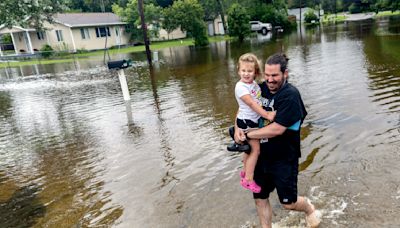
<point x="87" y="19"/>
<point x="14" y="29"/>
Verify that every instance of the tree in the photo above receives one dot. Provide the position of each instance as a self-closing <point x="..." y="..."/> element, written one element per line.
<point x="188" y="14"/>
<point x="29" y="13"/>
<point x="310" y="16"/>
<point x="238" y="22"/>
<point x="170" y="22"/>
<point x="94" y="5"/>
<point x="394" y="5"/>
<point x="164" y="3"/>
<point x="213" y="9"/>
<point x="130" y="14"/>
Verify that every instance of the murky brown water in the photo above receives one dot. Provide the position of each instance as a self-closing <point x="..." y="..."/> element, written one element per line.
<point x="74" y="154"/>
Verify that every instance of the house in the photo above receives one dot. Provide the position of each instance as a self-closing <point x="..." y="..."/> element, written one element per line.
<point x="71" y="32"/>
<point x="215" y="26"/>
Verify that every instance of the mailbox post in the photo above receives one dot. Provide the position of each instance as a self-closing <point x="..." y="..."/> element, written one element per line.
<point x="120" y="65"/>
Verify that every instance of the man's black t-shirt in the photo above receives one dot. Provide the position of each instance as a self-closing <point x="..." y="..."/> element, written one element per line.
<point x="290" y="113"/>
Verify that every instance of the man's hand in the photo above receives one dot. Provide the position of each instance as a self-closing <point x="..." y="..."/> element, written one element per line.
<point x="239" y="135"/>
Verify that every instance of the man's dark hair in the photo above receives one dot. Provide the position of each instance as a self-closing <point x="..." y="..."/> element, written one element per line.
<point x="278" y="58"/>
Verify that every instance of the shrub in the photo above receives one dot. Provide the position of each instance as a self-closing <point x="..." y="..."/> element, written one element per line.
<point x="310" y="16"/>
<point x="46" y="51"/>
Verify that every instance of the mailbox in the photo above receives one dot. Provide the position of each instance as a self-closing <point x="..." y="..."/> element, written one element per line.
<point x="119" y="64"/>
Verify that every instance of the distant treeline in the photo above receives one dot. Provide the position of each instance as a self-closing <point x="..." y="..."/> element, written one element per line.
<point x="353" y="6"/>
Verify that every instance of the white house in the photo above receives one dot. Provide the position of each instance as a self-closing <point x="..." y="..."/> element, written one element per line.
<point x="71" y="32"/>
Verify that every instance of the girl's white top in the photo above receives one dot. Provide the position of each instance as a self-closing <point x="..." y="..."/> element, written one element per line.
<point x="241" y="89"/>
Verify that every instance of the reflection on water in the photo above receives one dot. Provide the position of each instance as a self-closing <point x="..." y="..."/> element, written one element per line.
<point x="74" y="153"/>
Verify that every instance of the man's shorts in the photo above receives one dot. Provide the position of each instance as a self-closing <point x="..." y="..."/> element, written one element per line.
<point x="281" y="175"/>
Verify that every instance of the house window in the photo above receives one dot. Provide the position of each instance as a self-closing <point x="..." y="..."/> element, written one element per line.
<point x="59" y="35"/>
<point x="101" y="31"/>
<point x="117" y="31"/>
<point x="40" y="35"/>
<point x="85" y="33"/>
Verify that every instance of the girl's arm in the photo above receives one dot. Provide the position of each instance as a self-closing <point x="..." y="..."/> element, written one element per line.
<point x="257" y="108"/>
<point x="239" y="134"/>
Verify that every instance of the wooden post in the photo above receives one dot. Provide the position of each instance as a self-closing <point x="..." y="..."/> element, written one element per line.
<point x="124" y="85"/>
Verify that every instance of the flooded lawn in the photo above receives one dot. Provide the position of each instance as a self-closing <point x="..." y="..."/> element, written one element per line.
<point x="74" y="154"/>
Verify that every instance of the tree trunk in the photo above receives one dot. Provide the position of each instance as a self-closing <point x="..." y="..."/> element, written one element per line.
<point x="144" y="28"/>
<point x="222" y="14"/>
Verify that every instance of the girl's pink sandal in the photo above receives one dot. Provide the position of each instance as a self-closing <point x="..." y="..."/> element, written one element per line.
<point x="250" y="185"/>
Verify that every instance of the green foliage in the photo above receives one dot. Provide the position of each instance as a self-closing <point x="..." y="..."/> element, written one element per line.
<point x="354" y="8"/>
<point x="130" y="14"/>
<point x="238" y="22"/>
<point x="6" y="39"/>
<point x="357" y="6"/>
<point x="310" y="16"/>
<point x="46" y="51"/>
<point x="199" y="33"/>
<point x="93" y="5"/>
<point x="211" y="9"/>
<point x="188" y="15"/>
<point x="17" y="12"/>
<point x="274" y="12"/>
<point x="164" y="3"/>
<point x="170" y="22"/>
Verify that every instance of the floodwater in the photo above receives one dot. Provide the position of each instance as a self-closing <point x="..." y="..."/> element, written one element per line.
<point x="74" y="154"/>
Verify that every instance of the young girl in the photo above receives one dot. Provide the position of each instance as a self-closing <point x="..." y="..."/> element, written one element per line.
<point x="248" y="95"/>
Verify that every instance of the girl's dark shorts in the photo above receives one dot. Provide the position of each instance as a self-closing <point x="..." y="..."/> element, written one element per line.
<point x="281" y="175"/>
<point x="244" y="124"/>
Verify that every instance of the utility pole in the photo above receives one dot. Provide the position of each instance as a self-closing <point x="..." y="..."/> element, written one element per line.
<point x="144" y="28"/>
<point x="300" y="14"/>
<point x="222" y="14"/>
<point x="335" y="10"/>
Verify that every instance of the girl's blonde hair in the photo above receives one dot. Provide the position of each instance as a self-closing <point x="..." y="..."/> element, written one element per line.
<point x="251" y="58"/>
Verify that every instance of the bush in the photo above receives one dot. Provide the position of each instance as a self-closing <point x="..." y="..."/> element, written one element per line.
<point x="310" y="16"/>
<point x="46" y="51"/>
<point x="199" y="33"/>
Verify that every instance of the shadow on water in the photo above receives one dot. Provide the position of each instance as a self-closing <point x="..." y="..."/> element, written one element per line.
<point x="23" y="208"/>
<point x="166" y="150"/>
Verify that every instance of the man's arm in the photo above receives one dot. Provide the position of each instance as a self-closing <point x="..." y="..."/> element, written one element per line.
<point x="270" y="131"/>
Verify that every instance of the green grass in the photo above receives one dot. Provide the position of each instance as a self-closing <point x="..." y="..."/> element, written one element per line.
<point x="387" y="13"/>
<point x="331" y="18"/>
<point x="155" y="45"/>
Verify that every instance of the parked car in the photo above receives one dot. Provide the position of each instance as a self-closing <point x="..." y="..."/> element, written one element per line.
<point x="259" y="26"/>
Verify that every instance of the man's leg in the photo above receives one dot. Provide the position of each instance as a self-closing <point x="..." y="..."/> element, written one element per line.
<point x="300" y="205"/>
<point x="264" y="212"/>
<point x="304" y="205"/>
<point x="286" y="180"/>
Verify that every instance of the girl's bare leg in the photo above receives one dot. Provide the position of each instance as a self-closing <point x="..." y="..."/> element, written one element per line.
<point x="245" y="157"/>
<point x="251" y="160"/>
